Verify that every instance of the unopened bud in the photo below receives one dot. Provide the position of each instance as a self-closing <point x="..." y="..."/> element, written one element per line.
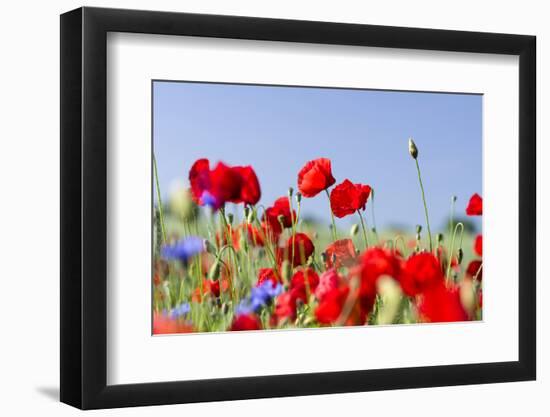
<point x="214" y="272"/>
<point x="413" y="150"/>
<point x="290" y="191"/>
<point x="298" y="197"/>
<point x="354" y="230"/>
<point x="453" y="198"/>
<point x="324" y="257"/>
<point x="246" y="212"/>
<point x="418" y="229"/>
<point x="210" y="248"/>
<point x="460" y="255"/>
<point x="440" y="238"/>
<point x="230" y="218"/>
<point x="251" y="216"/>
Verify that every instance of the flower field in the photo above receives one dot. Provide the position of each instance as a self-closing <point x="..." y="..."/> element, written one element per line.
<point x="260" y="267"/>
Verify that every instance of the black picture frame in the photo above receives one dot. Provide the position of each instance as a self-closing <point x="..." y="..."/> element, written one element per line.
<point x="84" y="207"/>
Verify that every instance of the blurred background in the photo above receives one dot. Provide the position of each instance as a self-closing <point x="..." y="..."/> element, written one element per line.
<point x="277" y="129"/>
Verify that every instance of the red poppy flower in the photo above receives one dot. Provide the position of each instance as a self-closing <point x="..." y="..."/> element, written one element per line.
<point x="330" y="308"/>
<point x="251" y="234"/>
<point x="199" y="178"/>
<point x="246" y="322"/>
<point x="475" y="268"/>
<point x="328" y="281"/>
<point x="303" y="249"/>
<point x="250" y="189"/>
<point x="478" y="245"/>
<point x="475" y="206"/>
<point x="420" y="272"/>
<point x="285" y="306"/>
<point x="298" y="283"/>
<point x="281" y="207"/>
<point x="223" y="184"/>
<point x="376" y="262"/>
<point x="441" y="304"/>
<point x="315" y="176"/>
<point x="346" y="198"/>
<point x="267" y="274"/>
<point x="340" y="253"/>
<point x="166" y="325"/>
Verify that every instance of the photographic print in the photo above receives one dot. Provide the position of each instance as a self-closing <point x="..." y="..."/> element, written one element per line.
<point x="294" y="207"/>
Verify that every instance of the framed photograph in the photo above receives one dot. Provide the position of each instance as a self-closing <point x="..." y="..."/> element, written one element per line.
<point x="257" y="208"/>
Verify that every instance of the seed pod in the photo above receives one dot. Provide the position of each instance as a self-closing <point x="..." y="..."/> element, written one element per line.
<point x="413" y="150"/>
<point x="354" y="230"/>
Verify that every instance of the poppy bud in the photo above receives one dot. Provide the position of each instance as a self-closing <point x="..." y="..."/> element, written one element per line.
<point x="413" y="150"/>
<point x="418" y="229"/>
<point x="290" y="191"/>
<point x="354" y="229"/>
<point x="453" y="198"/>
<point x="440" y="238"/>
<point x="210" y="248"/>
<point x="298" y="197"/>
<point x="214" y="272"/>
<point x="324" y="257"/>
<point x="418" y="237"/>
<point x="374" y="230"/>
<point x="246" y="212"/>
<point x="230" y="218"/>
<point x="460" y="255"/>
<point x="251" y="216"/>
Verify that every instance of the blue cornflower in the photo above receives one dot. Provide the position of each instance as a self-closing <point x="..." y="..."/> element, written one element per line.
<point x="209" y="200"/>
<point x="180" y="311"/>
<point x="184" y="249"/>
<point x="259" y="296"/>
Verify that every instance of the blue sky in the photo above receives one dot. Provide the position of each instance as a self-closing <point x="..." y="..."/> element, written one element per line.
<point x="364" y="132"/>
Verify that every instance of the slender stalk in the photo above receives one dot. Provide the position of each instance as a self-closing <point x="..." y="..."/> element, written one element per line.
<point x="292" y="222"/>
<point x="159" y="199"/>
<point x="451" y="249"/>
<point x="425" y="205"/>
<point x="364" y="229"/>
<point x="373" y="217"/>
<point x="332" y="218"/>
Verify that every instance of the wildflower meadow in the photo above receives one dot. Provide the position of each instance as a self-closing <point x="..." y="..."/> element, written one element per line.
<point x="267" y="267"/>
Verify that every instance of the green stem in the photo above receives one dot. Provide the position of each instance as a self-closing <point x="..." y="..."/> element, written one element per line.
<point x="425" y="205"/>
<point x="373" y="217"/>
<point x="332" y="218"/>
<point x="451" y="249"/>
<point x="293" y="224"/>
<point x="364" y="230"/>
<point x="159" y="199"/>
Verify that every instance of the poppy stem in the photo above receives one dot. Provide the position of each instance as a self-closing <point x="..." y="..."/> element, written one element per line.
<point x="451" y="249"/>
<point x="161" y="216"/>
<point x="373" y="217"/>
<point x="364" y="229"/>
<point x="292" y="222"/>
<point x="425" y="205"/>
<point x="331" y="217"/>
